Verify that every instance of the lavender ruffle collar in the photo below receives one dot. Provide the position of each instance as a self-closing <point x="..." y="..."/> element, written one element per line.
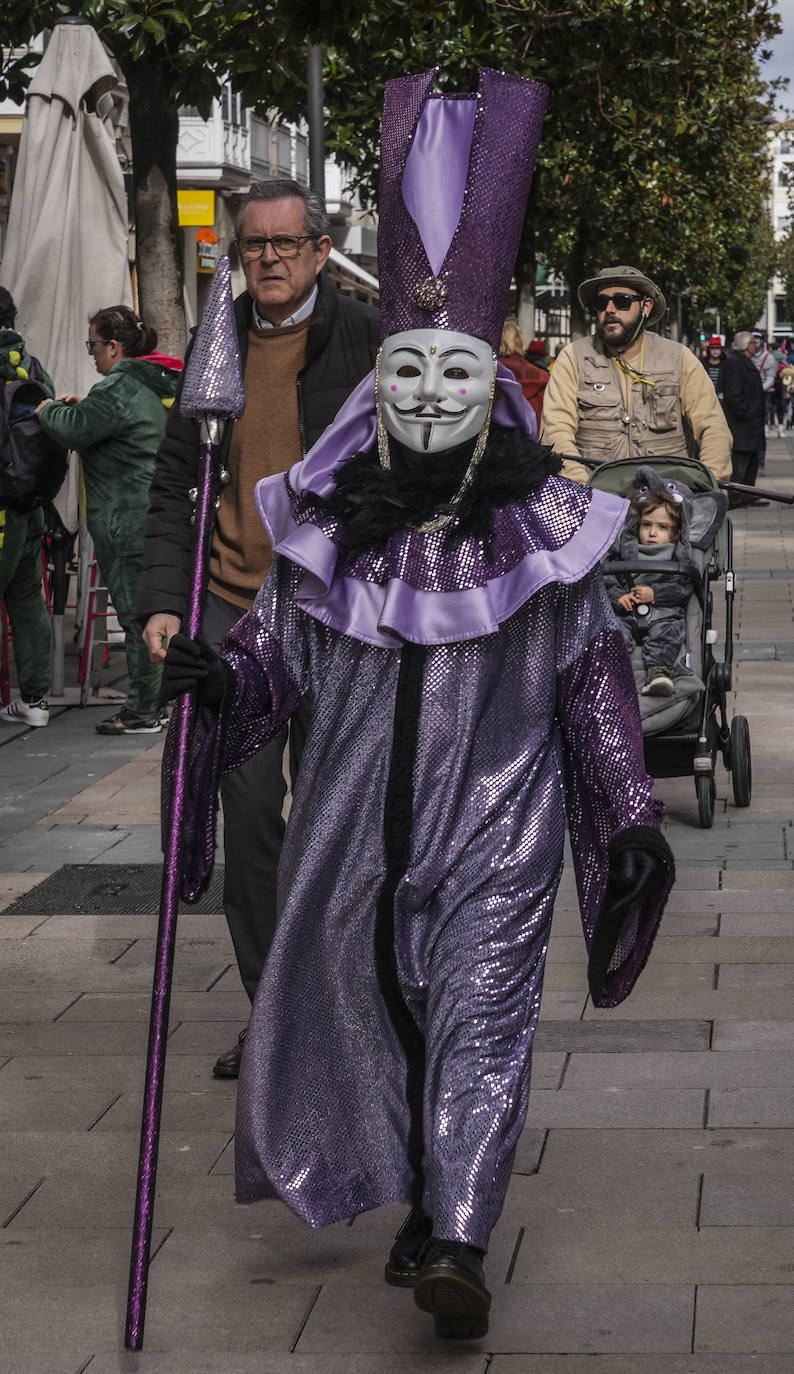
<point x="420" y="587"/>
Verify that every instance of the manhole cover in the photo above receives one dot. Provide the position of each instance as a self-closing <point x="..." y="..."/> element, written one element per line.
<point x="109" y="890"/>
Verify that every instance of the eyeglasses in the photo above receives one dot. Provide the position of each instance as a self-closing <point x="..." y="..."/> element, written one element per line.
<point x="284" y="246"/>
<point x="91" y="344"/>
<point x="623" y="300"/>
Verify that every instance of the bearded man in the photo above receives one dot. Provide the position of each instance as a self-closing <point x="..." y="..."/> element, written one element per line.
<point x="625" y="392"/>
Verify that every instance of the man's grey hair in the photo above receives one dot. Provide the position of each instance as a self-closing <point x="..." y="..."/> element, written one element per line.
<point x="741" y="341"/>
<point x="315" y="215"/>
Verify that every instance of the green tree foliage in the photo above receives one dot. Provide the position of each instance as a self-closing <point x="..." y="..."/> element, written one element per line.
<point x="654" y="146"/>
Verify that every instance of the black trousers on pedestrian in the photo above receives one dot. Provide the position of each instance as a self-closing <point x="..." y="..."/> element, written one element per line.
<point x="745" y="470"/>
<point x="253" y="827"/>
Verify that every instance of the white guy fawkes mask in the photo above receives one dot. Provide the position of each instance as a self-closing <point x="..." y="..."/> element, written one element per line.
<point x="435" y="388"/>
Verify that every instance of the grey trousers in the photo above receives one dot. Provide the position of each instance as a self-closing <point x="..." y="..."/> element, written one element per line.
<point x="661" y="640"/>
<point x="253" y="828"/>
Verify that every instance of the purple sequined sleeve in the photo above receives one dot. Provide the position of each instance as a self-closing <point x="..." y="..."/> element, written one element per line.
<point x="607" y="790"/>
<point x="265" y="649"/>
<point x="265" y="694"/>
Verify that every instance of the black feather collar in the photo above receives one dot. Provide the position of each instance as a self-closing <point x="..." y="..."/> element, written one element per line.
<point x="372" y="503"/>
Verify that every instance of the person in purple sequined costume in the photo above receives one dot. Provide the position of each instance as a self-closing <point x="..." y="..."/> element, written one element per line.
<point x="436" y="592"/>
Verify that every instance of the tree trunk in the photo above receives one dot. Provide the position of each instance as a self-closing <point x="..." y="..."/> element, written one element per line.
<point x="154" y="130"/>
<point x="575" y="273"/>
<point x="526" y="311"/>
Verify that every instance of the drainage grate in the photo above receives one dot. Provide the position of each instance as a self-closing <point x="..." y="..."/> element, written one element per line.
<point x="109" y="890"/>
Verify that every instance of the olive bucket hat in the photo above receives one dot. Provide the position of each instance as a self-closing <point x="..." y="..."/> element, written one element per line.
<point x="623" y="276"/>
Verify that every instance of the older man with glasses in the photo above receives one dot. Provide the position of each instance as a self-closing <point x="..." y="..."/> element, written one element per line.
<point x="304" y="347"/>
<point x="624" y="392"/>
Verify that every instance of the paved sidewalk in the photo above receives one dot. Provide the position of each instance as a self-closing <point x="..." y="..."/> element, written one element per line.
<point x="649" y="1227"/>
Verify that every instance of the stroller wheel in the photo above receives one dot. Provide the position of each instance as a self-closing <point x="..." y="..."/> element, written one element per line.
<point x="706" y="789"/>
<point x="741" y="761"/>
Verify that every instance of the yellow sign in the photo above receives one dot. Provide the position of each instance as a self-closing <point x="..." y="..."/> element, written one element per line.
<point x="196" y="208"/>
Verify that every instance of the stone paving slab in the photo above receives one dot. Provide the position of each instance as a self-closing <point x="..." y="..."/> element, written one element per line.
<point x="125" y="1072"/>
<point x="206" y="1110"/>
<point x="190" y="1201"/>
<point x="745" y="1004"/>
<point x="433" y="1362"/>
<point x="541" y="1317"/>
<point x="589" y="1037"/>
<point x="71" y="845"/>
<point x="90" y="966"/>
<point x="572" y="1250"/>
<point x="39" y="1106"/>
<point x="749" y="1035"/>
<point x="762" y="1068"/>
<point x="554" y="1197"/>
<point x="133" y="1006"/>
<point x="653" y="1155"/>
<point x="618" y="1108"/>
<point x="13" y="885"/>
<point x="89" y="1155"/>
<point x="18" y="927"/>
<point x="736" y="977"/>
<point x="190" y="926"/>
<point x="193" y="949"/>
<point x="751" y="1107"/>
<point x="44" y="1364"/>
<point x="746" y="1317"/>
<point x="69" y="1038"/>
<point x="762" y="1199"/>
<point x="727" y="949"/>
<point x="638" y="1364"/>
<point x="20" y="1009"/>
<point x="49" y="1319"/>
<point x="70" y="1262"/>
<point x="755" y="925"/>
<point x="735" y="899"/>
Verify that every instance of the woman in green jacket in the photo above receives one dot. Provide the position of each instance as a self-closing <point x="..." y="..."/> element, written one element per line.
<point x="117" y="429"/>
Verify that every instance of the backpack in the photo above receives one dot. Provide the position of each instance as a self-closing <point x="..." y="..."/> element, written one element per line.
<point x="32" y="465"/>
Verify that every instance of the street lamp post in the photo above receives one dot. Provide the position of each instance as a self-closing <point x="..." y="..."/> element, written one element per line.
<point x="314" y="83"/>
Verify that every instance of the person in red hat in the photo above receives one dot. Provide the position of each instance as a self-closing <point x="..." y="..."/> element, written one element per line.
<point x="713" y="360"/>
<point x="538" y="354"/>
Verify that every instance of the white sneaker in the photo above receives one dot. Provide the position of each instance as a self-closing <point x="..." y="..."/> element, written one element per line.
<point x="21" y="712"/>
<point x="781" y="433"/>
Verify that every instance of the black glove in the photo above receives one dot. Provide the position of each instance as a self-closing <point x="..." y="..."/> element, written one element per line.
<point x="640" y="861"/>
<point x="633" y="874"/>
<point x="193" y="663"/>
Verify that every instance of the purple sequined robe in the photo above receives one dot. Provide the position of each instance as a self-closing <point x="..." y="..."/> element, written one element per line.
<point x="460" y="705"/>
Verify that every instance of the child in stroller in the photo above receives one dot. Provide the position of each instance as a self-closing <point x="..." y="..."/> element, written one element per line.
<point x="651" y="605"/>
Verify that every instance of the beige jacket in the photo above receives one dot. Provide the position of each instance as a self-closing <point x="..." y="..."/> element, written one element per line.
<point x="593" y="410"/>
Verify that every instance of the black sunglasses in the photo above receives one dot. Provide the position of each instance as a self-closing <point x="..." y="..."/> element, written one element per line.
<point x="623" y="300"/>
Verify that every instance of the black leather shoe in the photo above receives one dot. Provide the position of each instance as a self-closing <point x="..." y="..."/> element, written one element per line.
<point x="228" y="1065"/>
<point x="451" y="1285"/>
<point x="402" y="1266"/>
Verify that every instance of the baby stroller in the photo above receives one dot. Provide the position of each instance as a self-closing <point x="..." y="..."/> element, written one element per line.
<point x="685" y="732"/>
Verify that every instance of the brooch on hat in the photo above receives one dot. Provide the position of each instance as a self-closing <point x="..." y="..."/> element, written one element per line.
<point x="431" y="294"/>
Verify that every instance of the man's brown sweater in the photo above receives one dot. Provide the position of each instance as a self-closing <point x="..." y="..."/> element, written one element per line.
<point x="265" y="441"/>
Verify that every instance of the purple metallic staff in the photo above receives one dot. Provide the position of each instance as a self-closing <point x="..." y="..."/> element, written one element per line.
<point x="212" y="393"/>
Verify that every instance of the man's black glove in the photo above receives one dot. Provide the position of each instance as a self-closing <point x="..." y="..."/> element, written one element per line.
<point x="193" y="663"/>
<point x="640" y="862"/>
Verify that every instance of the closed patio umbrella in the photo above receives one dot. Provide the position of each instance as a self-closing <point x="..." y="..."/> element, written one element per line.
<point x="66" y="253"/>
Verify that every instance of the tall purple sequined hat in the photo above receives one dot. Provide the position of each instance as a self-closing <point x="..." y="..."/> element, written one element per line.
<point x="454" y="182"/>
